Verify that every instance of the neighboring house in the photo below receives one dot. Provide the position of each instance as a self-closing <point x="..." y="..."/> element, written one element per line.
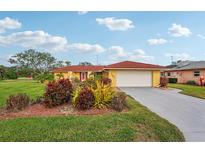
<point x="186" y="71"/>
<point x="122" y="74"/>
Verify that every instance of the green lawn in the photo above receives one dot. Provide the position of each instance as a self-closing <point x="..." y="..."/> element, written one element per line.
<point x="195" y="91"/>
<point x="139" y="124"/>
<point x="30" y="87"/>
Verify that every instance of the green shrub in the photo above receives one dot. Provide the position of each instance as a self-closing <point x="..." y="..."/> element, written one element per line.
<point x="75" y="82"/>
<point x="172" y="80"/>
<point x="90" y="82"/>
<point x="103" y="95"/>
<point x="58" y="93"/>
<point x="119" y="101"/>
<point x="38" y="100"/>
<point x="11" y="74"/>
<point x="163" y="82"/>
<point x="85" y="99"/>
<point x="44" y="77"/>
<point x="17" y="102"/>
<point x="191" y="82"/>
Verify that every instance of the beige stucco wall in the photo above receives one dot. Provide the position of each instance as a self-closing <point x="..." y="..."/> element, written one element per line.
<point x="155" y="78"/>
<point x="184" y="76"/>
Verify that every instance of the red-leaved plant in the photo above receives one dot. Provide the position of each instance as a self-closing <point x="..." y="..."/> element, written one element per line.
<point x="58" y="92"/>
<point x="17" y="102"/>
<point x="85" y="99"/>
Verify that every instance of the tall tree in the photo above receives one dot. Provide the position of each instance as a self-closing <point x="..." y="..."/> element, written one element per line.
<point x="37" y="61"/>
<point x="85" y="63"/>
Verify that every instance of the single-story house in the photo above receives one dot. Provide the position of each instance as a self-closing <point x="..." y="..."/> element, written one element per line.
<point x="122" y="74"/>
<point x="186" y="71"/>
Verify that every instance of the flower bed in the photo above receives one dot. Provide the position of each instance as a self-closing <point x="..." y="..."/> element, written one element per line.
<point x="62" y="98"/>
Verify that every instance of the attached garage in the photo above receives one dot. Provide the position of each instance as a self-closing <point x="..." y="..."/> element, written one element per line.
<point x="133" y="78"/>
<point x="134" y="74"/>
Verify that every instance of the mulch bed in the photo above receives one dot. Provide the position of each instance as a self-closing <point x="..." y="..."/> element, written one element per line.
<point x="39" y="110"/>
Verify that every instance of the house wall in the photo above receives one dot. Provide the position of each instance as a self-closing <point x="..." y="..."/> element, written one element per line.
<point x="112" y="76"/>
<point x="65" y="75"/>
<point x="155" y="78"/>
<point x="186" y="75"/>
<point x="68" y="75"/>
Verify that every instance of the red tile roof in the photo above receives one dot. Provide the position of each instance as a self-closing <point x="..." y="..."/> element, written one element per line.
<point x="131" y="64"/>
<point x="123" y="65"/>
<point x="78" y="68"/>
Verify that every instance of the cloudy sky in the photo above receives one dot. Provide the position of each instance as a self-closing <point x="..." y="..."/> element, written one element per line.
<point x="151" y="37"/>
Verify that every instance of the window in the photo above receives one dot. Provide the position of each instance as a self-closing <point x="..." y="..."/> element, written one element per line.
<point x="196" y="73"/>
<point x="168" y="73"/>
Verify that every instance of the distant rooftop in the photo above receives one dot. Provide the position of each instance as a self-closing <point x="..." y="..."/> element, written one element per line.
<point x="184" y="65"/>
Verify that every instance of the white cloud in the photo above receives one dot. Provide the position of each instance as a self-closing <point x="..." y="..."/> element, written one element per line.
<point x="201" y="36"/>
<point x="115" y="24"/>
<point x="50" y="43"/>
<point x="118" y="53"/>
<point x="86" y="48"/>
<point x="159" y="41"/>
<point x="8" y="23"/>
<point x="35" y="39"/>
<point x="178" y="31"/>
<point x="179" y="56"/>
<point x="82" y="12"/>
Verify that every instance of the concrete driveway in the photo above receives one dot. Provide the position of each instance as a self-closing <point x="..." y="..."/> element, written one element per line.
<point x="186" y="112"/>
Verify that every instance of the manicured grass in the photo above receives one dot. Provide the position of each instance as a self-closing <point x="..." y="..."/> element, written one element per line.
<point x="196" y="91"/>
<point x="30" y="87"/>
<point x="139" y="124"/>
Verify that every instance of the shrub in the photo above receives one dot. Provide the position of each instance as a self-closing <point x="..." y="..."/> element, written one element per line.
<point x="90" y="82"/>
<point x="191" y="82"/>
<point x="118" y="101"/>
<point x="38" y="100"/>
<point x="17" y="102"/>
<point x="44" y="77"/>
<point x="103" y="95"/>
<point x="11" y="74"/>
<point x="58" y="92"/>
<point x="106" y="81"/>
<point x="163" y="82"/>
<point x="85" y="99"/>
<point x="172" y="80"/>
<point x="75" y="82"/>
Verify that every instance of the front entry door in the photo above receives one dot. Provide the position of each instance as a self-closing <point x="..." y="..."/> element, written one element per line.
<point x="83" y="76"/>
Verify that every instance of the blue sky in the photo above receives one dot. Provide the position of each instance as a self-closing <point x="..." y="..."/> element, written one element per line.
<point x="151" y="37"/>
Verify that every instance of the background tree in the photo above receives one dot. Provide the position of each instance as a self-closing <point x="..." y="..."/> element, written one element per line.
<point x="38" y="61"/>
<point x="62" y="63"/>
<point x="2" y="72"/>
<point x="85" y="63"/>
<point x="35" y="62"/>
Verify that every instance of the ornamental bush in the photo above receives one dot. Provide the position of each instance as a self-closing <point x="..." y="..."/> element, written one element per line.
<point x="85" y="99"/>
<point x="119" y="101"/>
<point x="17" y="102"/>
<point x="103" y="95"/>
<point x="58" y="93"/>
<point x="163" y="82"/>
<point x="191" y="82"/>
<point x="106" y="81"/>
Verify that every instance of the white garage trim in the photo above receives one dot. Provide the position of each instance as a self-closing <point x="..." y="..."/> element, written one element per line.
<point x="134" y="78"/>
